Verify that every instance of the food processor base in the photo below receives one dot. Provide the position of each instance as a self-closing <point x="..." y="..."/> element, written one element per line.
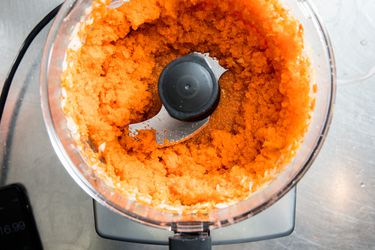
<point x="276" y="221"/>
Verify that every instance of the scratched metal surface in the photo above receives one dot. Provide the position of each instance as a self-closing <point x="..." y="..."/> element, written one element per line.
<point x="335" y="200"/>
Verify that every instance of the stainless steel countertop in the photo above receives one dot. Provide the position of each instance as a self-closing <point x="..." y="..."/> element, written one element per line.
<point x="335" y="200"/>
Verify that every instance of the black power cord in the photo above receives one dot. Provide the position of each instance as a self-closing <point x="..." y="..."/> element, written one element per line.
<point x="26" y="44"/>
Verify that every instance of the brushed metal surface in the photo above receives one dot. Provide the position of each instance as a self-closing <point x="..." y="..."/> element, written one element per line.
<point x="335" y="201"/>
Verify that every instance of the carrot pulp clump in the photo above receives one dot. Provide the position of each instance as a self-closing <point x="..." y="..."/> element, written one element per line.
<point x="111" y="82"/>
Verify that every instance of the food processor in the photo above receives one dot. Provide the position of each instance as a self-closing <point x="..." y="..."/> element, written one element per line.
<point x="192" y="230"/>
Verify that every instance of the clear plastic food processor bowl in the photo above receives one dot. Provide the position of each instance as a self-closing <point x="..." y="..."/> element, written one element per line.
<point x="320" y="52"/>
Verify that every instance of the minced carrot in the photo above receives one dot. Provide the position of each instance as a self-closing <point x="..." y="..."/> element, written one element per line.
<point x="261" y="118"/>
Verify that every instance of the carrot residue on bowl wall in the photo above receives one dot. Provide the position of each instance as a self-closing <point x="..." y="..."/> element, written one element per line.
<point x="262" y="116"/>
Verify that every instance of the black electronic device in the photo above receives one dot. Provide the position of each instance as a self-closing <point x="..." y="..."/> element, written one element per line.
<point x="18" y="229"/>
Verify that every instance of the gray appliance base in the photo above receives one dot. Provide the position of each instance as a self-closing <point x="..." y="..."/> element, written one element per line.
<point x="276" y="221"/>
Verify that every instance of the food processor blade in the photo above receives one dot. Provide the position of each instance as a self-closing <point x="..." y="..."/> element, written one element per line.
<point x="167" y="129"/>
<point x="189" y="91"/>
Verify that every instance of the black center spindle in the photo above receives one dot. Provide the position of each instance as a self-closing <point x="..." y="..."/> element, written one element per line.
<point x="188" y="88"/>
